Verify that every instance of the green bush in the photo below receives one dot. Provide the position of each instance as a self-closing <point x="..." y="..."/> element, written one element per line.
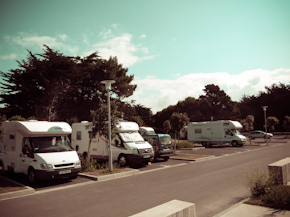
<point x="278" y="197"/>
<point x="106" y="169"/>
<point x="184" y="144"/>
<point x="259" y="182"/>
<point x="89" y="165"/>
<point x="92" y="165"/>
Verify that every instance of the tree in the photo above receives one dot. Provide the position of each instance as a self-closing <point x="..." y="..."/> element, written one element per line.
<point x="166" y="126"/>
<point x="217" y="104"/>
<point x="38" y="86"/>
<point x="51" y="86"/>
<point x="99" y="123"/>
<point x="274" y="96"/>
<point x="178" y="121"/>
<point x="249" y="121"/>
<point x="2" y="119"/>
<point x="272" y="122"/>
<point x="286" y="124"/>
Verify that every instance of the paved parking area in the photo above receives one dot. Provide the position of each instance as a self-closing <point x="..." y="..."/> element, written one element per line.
<point x="215" y="151"/>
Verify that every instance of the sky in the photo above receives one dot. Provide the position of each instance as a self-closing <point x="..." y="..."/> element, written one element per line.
<point x="173" y="48"/>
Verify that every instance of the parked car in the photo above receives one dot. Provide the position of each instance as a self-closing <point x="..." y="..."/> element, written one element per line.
<point x="161" y="143"/>
<point x="259" y="134"/>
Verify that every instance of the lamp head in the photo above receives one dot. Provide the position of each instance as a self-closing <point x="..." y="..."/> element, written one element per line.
<point x="108" y="83"/>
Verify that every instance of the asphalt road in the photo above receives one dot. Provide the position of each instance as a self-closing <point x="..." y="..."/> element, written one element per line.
<point x="213" y="185"/>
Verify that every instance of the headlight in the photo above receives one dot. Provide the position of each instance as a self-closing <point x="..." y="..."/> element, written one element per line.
<point x="78" y="163"/>
<point x="135" y="151"/>
<point x="45" y="166"/>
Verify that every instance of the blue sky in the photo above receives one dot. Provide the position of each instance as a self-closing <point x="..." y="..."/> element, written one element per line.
<point x="173" y="48"/>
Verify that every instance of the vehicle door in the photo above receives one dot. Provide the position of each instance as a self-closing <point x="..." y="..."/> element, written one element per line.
<point x="228" y="135"/>
<point x="117" y="147"/>
<point x="165" y="143"/>
<point x="26" y="155"/>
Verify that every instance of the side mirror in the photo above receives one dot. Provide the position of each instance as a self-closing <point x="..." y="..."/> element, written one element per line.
<point x="24" y="151"/>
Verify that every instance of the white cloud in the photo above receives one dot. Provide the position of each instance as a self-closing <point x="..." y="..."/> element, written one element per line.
<point x="31" y="40"/>
<point x="12" y="56"/>
<point x="158" y="94"/>
<point x="122" y="47"/>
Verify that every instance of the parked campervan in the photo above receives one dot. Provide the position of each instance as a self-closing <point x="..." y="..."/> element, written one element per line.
<point x="128" y="146"/>
<point x="161" y="143"/>
<point x="216" y="132"/>
<point x="39" y="149"/>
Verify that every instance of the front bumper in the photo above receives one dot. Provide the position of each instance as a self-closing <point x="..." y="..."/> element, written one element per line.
<point x="54" y="174"/>
<point x="136" y="159"/>
<point x="164" y="153"/>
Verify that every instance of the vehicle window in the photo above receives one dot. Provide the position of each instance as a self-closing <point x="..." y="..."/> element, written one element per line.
<point x="131" y="137"/>
<point x="79" y="135"/>
<point x="26" y="148"/>
<point x="229" y="132"/>
<point x="50" y="144"/>
<point x="165" y="140"/>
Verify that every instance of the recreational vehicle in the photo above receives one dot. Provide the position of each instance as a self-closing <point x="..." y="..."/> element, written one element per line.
<point x="161" y="143"/>
<point x="216" y="132"/>
<point x="39" y="149"/>
<point x="128" y="146"/>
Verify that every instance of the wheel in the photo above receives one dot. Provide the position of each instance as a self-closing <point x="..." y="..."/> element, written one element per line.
<point x="2" y="170"/>
<point x="203" y="144"/>
<point x="123" y="160"/>
<point x="165" y="158"/>
<point x="73" y="177"/>
<point x="31" y="176"/>
<point x="235" y="143"/>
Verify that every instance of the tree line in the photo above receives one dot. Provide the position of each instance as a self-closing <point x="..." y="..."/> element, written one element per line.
<point x="54" y="87"/>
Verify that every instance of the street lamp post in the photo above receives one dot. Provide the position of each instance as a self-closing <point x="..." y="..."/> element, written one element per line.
<point x="108" y="84"/>
<point x="265" y="117"/>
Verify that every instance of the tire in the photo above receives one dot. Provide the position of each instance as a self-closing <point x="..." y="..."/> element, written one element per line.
<point x="73" y="177"/>
<point x="165" y="158"/>
<point x="235" y="143"/>
<point x="2" y="170"/>
<point x="31" y="176"/>
<point x="123" y="161"/>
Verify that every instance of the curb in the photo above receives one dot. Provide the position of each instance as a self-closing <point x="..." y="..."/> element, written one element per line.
<point x="8" y="195"/>
<point x="111" y="176"/>
<point x="30" y="191"/>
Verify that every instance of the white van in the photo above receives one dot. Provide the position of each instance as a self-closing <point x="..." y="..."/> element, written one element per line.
<point x="216" y="132"/>
<point x="128" y="146"/>
<point x="39" y="149"/>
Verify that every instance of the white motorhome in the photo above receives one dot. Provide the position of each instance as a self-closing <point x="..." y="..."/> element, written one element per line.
<point x="216" y="132"/>
<point x="39" y="149"/>
<point x="146" y="131"/>
<point x="128" y="146"/>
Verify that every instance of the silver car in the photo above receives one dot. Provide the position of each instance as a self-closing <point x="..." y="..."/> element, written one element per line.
<point x="259" y="134"/>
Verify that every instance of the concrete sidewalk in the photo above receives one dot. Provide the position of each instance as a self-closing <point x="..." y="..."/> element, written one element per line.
<point x="246" y="210"/>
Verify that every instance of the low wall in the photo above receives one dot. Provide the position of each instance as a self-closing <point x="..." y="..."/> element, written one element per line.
<point x="281" y="171"/>
<point x="173" y="208"/>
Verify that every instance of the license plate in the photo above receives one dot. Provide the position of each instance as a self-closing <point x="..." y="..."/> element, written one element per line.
<point x="64" y="172"/>
<point x="146" y="156"/>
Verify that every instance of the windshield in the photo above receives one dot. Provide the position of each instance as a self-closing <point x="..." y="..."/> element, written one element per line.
<point x="131" y="137"/>
<point x="165" y="140"/>
<point x="236" y="131"/>
<point x="50" y="144"/>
